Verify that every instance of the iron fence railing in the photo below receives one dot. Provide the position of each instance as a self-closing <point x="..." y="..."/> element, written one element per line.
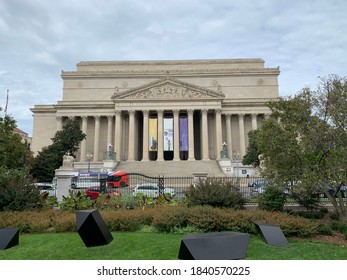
<point x="179" y="184"/>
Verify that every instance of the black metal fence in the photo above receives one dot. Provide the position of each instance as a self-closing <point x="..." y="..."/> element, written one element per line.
<point x="179" y="185"/>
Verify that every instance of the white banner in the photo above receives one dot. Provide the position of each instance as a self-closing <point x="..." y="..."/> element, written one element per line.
<point x="168" y="134"/>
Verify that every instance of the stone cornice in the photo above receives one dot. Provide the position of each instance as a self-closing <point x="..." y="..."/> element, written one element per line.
<point x="173" y="62"/>
<point x="43" y="108"/>
<point x="173" y="72"/>
<point x="81" y="105"/>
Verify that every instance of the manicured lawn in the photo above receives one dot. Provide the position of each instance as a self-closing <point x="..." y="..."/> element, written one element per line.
<point x="153" y="246"/>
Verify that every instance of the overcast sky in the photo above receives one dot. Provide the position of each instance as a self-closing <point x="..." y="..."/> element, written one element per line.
<point x="39" y="38"/>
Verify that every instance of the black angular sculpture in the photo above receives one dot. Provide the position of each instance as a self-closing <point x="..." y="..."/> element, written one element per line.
<point x="9" y="237"/>
<point x="272" y="234"/>
<point x="92" y="228"/>
<point x="214" y="246"/>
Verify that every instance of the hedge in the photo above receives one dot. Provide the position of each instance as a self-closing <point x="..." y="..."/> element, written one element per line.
<point x="163" y="219"/>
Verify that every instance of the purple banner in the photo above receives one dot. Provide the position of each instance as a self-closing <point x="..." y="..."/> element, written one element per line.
<point x="183" y="134"/>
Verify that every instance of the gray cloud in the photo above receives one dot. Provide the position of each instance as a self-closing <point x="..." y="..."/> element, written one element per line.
<point x="40" y="38"/>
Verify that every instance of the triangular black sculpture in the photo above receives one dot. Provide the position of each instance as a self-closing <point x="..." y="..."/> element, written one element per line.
<point x="9" y="237"/>
<point x="92" y="228"/>
<point x="272" y="234"/>
<point x="214" y="246"/>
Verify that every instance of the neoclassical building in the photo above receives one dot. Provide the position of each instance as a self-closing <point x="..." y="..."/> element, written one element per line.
<point x="169" y="110"/>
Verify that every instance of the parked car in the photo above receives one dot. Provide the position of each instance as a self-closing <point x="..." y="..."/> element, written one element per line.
<point x="83" y="183"/>
<point x="256" y="190"/>
<point x="94" y="192"/>
<point x="151" y="190"/>
<point x="332" y="191"/>
<point x="257" y="187"/>
<point x="257" y="183"/>
<point x="46" y="188"/>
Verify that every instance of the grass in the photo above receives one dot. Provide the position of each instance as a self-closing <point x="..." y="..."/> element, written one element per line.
<point x="154" y="246"/>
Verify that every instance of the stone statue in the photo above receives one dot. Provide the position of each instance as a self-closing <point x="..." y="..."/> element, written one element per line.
<point x="68" y="160"/>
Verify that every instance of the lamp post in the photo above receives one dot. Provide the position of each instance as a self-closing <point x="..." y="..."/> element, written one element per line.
<point x="237" y="157"/>
<point x="89" y="158"/>
<point x="224" y="153"/>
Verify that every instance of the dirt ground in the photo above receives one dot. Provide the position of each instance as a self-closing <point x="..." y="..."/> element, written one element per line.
<point x="336" y="238"/>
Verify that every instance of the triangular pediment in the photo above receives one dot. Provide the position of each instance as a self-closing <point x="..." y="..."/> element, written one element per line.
<point x="168" y="88"/>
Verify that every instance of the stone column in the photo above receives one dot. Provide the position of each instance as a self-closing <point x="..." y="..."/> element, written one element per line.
<point x="96" y="138"/>
<point x="160" y="152"/>
<point x="84" y="142"/>
<point x="118" y="134"/>
<point x="204" y="138"/>
<point x="145" y="136"/>
<point x="176" y="131"/>
<point x="254" y="122"/>
<point x="191" y="135"/>
<point x="242" y="135"/>
<point x="109" y="131"/>
<point x="229" y="139"/>
<point x="218" y="147"/>
<point x="59" y="123"/>
<point x="131" y="152"/>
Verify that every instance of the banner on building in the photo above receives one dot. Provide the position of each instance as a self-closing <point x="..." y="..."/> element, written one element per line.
<point x="183" y="134"/>
<point x="153" y="134"/>
<point x="168" y="134"/>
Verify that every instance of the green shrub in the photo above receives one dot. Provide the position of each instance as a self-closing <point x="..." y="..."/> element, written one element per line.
<point x="62" y="221"/>
<point x="78" y="201"/>
<point x="26" y="221"/>
<point x="166" y="219"/>
<point x="272" y="199"/>
<point x="324" y="210"/>
<point x="334" y="216"/>
<point x="17" y="196"/>
<point x="204" y="218"/>
<point x="341" y="227"/>
<point x="49" y="201"/>
<point x="216" y="193"/>
<point x="169" y="219"/>
<point x="126" y="220"/>
<point x="306" y="195"/>
<point x="310" y="214"/>
<point x="126" y="201"/>
<point x="240" y="221"/>
<point x="325" y="229"/>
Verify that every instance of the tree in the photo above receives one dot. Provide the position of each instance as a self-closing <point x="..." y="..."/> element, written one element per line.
<point x="252" y="155"/>
<point x="305" y="140"/>
<point x="16" y="193"/>
<point x="64" y="142"/>
<point x="13" y="153"/>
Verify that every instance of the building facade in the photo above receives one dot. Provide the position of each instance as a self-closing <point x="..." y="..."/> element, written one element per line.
<point x="180" y="110"/>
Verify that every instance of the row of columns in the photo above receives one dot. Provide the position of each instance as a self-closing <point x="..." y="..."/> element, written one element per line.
<point x="160" y="147"/>
<point x="145" y="151"/>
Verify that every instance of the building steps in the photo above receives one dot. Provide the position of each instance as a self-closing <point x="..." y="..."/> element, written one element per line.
<point x="172" y="168"/>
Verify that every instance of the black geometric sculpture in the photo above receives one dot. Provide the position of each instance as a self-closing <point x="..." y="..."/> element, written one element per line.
<point x="9" y="237"/>
<point x="272" y="234"/>
<point x="92" y="228"/>
<point x="214" y="246"/>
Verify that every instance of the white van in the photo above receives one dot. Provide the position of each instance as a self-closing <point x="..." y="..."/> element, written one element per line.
<point x="46" y="187"/>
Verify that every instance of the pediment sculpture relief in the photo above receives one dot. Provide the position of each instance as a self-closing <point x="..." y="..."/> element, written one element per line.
<point x="168" y="91"/>
<point x="169" y="88"/>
